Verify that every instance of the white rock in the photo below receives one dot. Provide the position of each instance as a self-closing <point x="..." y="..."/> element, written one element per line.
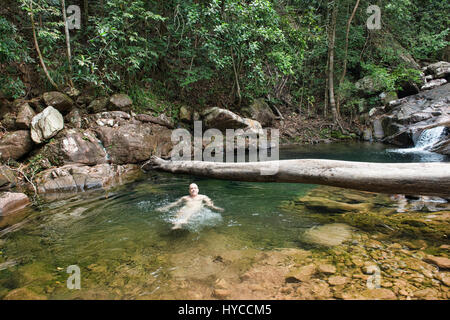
<point x="46" y="124"/>
<point x="433" y="84"/>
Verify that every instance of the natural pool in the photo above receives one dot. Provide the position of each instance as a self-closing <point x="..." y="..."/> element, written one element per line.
<point x="125" y="249"/>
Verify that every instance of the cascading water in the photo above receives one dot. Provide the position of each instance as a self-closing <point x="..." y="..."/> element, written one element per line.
<point x="426" y="140"/>
<point x="429" y="137"/>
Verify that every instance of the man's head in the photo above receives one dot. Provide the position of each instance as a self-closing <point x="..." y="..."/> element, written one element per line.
<point x="193" y="190"/>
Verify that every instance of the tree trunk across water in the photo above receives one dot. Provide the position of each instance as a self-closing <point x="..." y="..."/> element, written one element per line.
<point x="432" y="179"/>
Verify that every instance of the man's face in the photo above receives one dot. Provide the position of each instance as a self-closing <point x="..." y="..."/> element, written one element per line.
<point x="193" y="190"/>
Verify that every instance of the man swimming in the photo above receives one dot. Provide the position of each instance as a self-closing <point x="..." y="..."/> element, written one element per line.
<point x="192" y="203"/>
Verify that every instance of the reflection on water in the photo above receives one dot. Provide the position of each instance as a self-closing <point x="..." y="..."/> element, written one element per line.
<point x="126" y="249"/>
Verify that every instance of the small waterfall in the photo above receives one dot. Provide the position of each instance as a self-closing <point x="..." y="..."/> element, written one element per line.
<point x="421" y="150"/>
<point x="428" y="138"/>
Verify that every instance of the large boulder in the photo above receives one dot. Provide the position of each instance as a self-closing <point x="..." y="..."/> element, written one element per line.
<point x="120" y="101"/>
<point x="46" y="124"/>
<point x="12" y="201"/>
<point x="78" y="178"/>
<point x="24" y="117"/>
<point x="438" y="70"/>
<point x="261" y="112"/>
<point x="135" y="142"/>
<point x="59" y="101"/>
<point x="98" y="105"/>
<point x="223" y="119"/>
<point x="409" y="116"/>
<point x="15" y="145"/>
<point x="77" y="146"/>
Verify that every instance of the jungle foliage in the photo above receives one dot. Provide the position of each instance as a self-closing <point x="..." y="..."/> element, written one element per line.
<point x="219" y="52"/>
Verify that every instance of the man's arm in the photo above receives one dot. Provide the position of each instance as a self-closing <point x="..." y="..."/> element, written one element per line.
<point x="171" y="205"/>
<point x="210" y="204"/>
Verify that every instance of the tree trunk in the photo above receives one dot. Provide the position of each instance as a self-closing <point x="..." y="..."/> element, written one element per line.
<point x="66" y="30"/>
<point x="344" y="68"/>
<point x="238" y="88"/>
<point x="431" y="179"/>
<point x="331" y="44"/>
<point x="36" y="45"/>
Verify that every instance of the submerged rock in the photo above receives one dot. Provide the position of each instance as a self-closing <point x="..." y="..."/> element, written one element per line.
<point x="301" y="274"/>
<point x="327" y="235"/>
<point x="337" y="280"/>
<point x="330" y="206"/>
<point x="327" y="269"/>
<point x="75" y="177"/>
<point x="371" y="212"/>
<point x="378" y="294"/>
<point x="441" y="262"/>
<point x="23" y="294"/>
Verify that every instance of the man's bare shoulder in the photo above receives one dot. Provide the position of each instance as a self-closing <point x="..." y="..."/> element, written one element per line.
<point x="203" y="197"/>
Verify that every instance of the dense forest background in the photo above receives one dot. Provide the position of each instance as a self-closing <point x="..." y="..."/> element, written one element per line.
<point x="223" y="53"/>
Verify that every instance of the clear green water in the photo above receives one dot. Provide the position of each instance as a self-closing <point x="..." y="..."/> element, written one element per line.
<point x="126" y="249"/>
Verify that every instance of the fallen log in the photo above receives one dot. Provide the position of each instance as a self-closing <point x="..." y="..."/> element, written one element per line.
<point x="432" y="179"/>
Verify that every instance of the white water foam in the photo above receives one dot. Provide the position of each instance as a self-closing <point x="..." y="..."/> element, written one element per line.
<point x="427" y="139"/>
<point x="199" y="220"/>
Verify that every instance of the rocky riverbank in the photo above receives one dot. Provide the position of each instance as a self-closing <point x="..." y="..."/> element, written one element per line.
<point x="401" y="121"/>
<point x="58" y="145"/>
<point x="61" y="144"/>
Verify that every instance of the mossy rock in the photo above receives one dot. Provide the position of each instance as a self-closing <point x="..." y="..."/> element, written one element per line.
<point x="370" y="212"/>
